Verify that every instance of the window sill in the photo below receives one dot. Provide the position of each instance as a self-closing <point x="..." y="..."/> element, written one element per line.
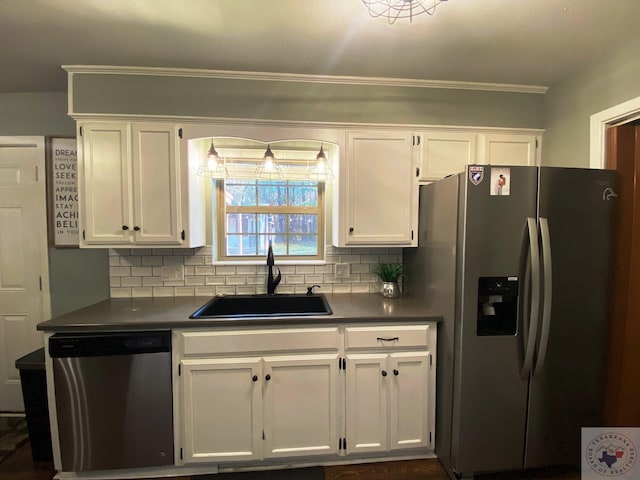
<point x="278" y="261"/>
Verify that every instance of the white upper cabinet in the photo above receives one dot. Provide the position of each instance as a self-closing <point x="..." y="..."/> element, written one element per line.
<point x="156" y="185"/>
<point x="445" y="153"/>
<point x="442" y="153"/>
<point x="509" y="149"/>
<point x="133" y="188"/>
<point x="376" y="200"/>
<point x="104" y="183"/>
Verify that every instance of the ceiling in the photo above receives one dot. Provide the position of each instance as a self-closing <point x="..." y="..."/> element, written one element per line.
<point x="529" y="42"/>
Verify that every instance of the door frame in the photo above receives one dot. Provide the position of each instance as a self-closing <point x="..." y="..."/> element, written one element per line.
<point x="607" y="144"/>
<point x="617" y="115"/>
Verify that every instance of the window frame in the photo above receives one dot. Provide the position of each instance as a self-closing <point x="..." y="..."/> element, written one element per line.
<point x="221" y="210"/>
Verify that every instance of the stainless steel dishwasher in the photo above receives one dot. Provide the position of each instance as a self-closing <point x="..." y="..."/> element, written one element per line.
<point x="113" y="399"/>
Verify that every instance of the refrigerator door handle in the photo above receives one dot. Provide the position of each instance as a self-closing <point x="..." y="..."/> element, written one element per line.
<point x="547" y="295"/>
<point x="534" y="315"/>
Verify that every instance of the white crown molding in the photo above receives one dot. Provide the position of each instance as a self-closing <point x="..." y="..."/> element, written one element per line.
<point x="289" y="77"/>
<point x="599" y="123"/>
<point x="253" y="122"/>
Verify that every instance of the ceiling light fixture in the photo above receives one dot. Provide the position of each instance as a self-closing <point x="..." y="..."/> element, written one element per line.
<point x="321" y="171"/>
<point x="269" y="169"/>
<point x="213" y="166"/>
<point x="392" y="10"/>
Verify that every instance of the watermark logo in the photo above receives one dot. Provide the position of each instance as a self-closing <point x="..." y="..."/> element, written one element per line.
<point x="610" y="453"/>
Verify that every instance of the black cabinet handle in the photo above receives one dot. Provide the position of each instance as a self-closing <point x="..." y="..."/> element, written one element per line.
<point x="136" y="228"/>
<point x="384" y="339"/>
<point x="351" y="230"/>
<point x="396" y="372"/>
<point x="268" y="377"/>
<point x="124" y="227"/>
<point x="384" y="373"/>
<point x="254" y="378"/>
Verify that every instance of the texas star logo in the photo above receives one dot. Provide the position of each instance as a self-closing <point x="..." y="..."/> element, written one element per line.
<point x="611" y="454"/>
<point x="476" y="174"/>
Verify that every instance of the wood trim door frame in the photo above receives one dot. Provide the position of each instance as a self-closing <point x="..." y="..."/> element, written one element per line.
<point x="622" y="391"/>
<point x="600" y="123"/>
<point x="615" y="144"/>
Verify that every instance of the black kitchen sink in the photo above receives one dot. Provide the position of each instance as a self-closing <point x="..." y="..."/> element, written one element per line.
<point x="277" y="305"/>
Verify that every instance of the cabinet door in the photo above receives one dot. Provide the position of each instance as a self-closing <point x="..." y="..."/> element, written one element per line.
<point x="366" y="409"/>
<point x="507" y="149"/>
<point x="381" y="189"/>
<point x="222" y="409"/>
<point x="445" y="153"/>
<point x="105" y="187"/>
<point x="156" y="184"/>
<point x="300" y="405"/>
<point x="409" y="400"/>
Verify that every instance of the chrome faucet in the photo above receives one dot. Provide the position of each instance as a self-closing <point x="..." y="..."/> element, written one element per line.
<point x="272" y="283"/>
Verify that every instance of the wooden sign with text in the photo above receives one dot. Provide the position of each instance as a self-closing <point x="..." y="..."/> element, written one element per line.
<point x="62" y="191"/>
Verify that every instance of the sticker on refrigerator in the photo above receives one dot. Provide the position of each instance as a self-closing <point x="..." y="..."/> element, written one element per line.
<point x="501" y="181"/>
<point x="476" y="174"/>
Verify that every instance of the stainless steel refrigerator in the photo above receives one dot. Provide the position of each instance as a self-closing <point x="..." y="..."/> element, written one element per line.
<point x="517" y="260"/>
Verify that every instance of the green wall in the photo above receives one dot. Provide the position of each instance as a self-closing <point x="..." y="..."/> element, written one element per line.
<point x="77" y="277"/>
<point x="80" y="277"/>
<point x="35" y="114"/>
<point x="569" y="105"/>
<point x="303" y="101"/>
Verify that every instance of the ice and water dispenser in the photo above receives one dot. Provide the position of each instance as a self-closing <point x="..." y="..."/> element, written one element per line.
<point x="497" y="306"/>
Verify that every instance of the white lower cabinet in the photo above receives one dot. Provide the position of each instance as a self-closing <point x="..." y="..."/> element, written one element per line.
<point x="248" y="395"/>
<point x="409" y="400"/>
<point x="367" y="403"/>
<point x="387" y="401"/>
<point x="389" y="394"/>
<point x="253" y="408"/>
<point x="258" y="394"/>
<point x="222" y="401"/>
<point x="300" y="405"/>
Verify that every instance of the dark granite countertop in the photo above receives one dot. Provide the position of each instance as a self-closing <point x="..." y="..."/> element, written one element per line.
<point x="173" y="312"/>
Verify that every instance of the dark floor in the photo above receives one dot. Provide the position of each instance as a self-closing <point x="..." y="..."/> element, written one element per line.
<point x="20" y="466"/>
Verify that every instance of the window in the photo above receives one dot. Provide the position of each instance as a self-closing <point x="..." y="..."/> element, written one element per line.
<point x="289" y="213"/>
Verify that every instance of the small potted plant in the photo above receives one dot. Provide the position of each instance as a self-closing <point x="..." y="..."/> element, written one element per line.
<point x="389" y="273"/>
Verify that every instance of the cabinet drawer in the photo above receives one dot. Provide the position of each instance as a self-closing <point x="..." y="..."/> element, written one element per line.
<point x="199" y="343"/>
<point x="389" y="336"/>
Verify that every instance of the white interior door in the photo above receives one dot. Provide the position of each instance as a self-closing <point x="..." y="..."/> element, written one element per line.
<point x="24" y="276"/>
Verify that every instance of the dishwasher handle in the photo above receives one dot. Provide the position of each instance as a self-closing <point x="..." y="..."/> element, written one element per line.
<point x="67" y="345"/>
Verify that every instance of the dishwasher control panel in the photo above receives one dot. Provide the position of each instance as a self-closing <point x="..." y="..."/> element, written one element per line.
<point x="63" y="345"/>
